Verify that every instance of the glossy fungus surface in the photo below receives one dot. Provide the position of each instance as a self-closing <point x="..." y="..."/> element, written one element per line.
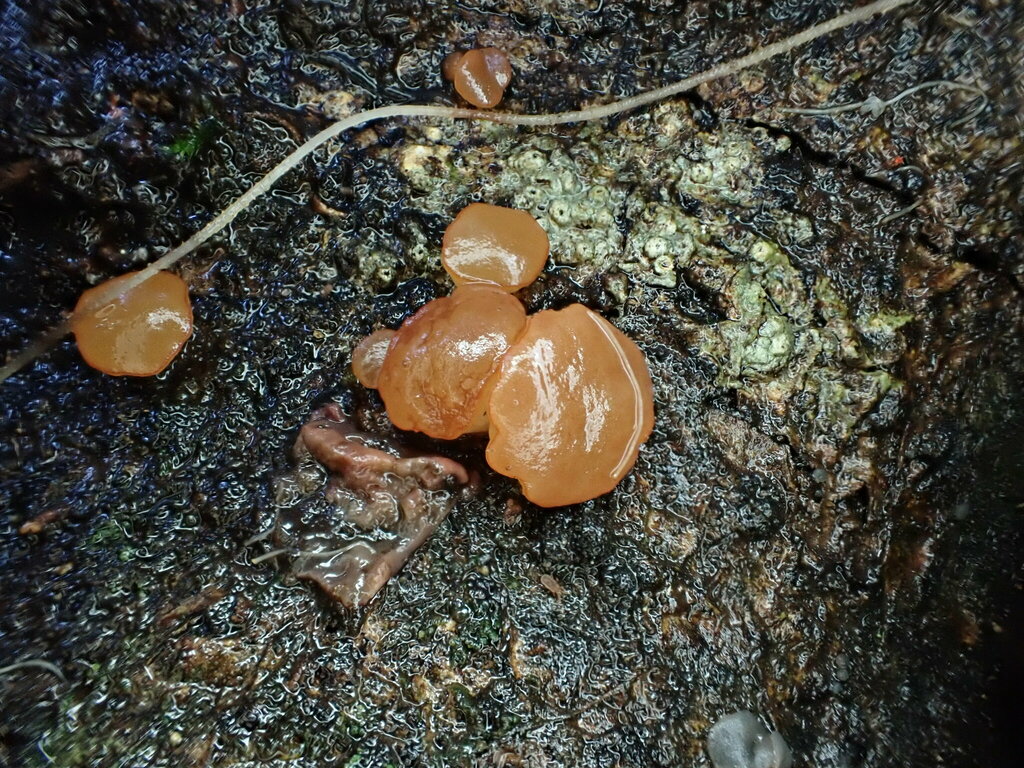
<point x="570" y="406"/>
<point x="438" y="369"/>
<point x="480" y="75"/>
<point x="492" y="244"/>
<point x="386" y="501"/>
<point x="136" y="332"/>
<point x="368" y="357"/>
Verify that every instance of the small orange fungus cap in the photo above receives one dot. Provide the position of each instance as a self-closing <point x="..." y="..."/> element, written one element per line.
<point x="570" y="406"/>
<point x="491" y="244"/>
<point x="368" y="357"/>
<point x="438" y="369"/>
<point x="480" y="75"/>
<point x="133" y="333"/>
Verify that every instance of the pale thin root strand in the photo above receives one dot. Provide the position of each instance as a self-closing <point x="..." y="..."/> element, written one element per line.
<point x="37" y="348"/>
<point x="257" y="537"/>
<point x="228" y="215"/>
<point x="330" y="553"/>
<point x="308" y="553"/>
<point x="875" y="106"/>
<point x="269" y="555"/>
<point x="900" y="213"/>
<point x="46" y="666"/>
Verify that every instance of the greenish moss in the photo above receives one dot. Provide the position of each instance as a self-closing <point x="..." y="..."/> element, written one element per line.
<point x="106" y="535"/>
<point x="757" y="340"/>
<point x="196" y="140"/>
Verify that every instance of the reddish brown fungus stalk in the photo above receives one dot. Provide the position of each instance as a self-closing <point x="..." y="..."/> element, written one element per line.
<point x="229" y="214"/>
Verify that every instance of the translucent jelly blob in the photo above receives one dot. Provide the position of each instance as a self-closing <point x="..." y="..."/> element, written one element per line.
<point x="491" y="244"/>
<point x="569" y="408"/>
<point x="136" y="333"/>
<point x="480" y="75"/>
<point x="368" y="357"/>
<point x="390" y="498"/>
<point x="436" y="375"/>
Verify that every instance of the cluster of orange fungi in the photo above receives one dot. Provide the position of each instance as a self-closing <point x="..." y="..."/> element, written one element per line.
<point x="564" y="397"/>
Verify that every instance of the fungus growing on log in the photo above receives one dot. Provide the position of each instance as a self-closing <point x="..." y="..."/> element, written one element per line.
<point x="566" y="397"/>
<point x="492" y="244"/>
<point x="571" y="404"/>
<point x="480" y="75"/>
<point x="452" y="67"/>
<point x="368" y="357"/>
<point x="387" y="503"/>
<point x="135" y="332"/>
<point x="436" y="375"/>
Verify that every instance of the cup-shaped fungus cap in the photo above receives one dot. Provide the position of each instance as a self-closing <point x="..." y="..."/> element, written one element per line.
<point x="437" y="372"/>
<point x="480" y="75"/>
<point x="491" y="244"/>
<point x="368" y="357"/>
<point x="135" y="332"/>
<point x="570" y="406"/>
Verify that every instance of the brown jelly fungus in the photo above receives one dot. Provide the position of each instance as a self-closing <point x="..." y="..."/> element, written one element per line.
<point x="436" y="375"/>
<point x="571" y="405"/>
<point x="480" y="75"/>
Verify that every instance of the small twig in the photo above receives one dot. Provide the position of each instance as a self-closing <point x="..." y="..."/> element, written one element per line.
<point x="902" y="212"/>
<point x="257" y="537"/>
<point x="875" y="106"/>
<point x="269" y="555"/>
<point x="47" y="666"/>
<point x="78" y="142"/>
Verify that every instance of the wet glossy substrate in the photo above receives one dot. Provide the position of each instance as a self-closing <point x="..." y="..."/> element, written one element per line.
<point x="819" y="530"/>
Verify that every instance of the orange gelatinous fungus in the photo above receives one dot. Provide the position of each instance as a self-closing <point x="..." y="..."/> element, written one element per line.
<point x="569" y="408"/>
<point x="450" y="65"/>
<point x="437" y="373"/>
<point x="491" y="244"/>
<point x="368" y="357"/>
<point x="480" y="75"/>
<point x="137" y="332"/>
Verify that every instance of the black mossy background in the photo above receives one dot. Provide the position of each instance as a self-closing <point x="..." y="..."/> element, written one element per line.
<point x="126" y="125"/>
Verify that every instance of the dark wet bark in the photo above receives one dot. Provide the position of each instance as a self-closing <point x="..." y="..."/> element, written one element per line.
<point x="825" y="528"/>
